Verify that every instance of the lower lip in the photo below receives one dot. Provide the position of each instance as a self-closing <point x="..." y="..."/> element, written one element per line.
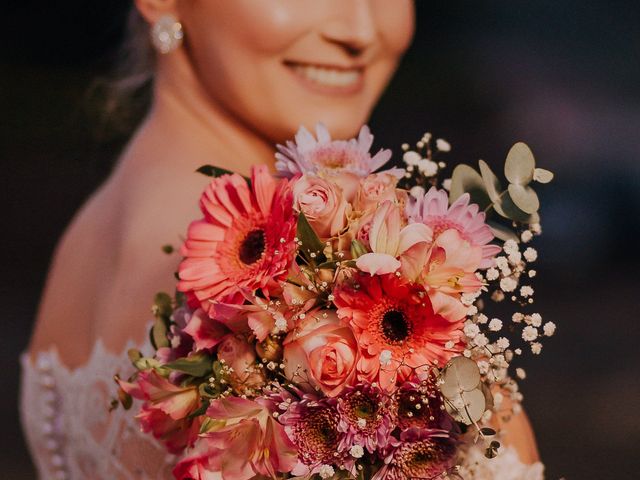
<point x="326" y="89"/>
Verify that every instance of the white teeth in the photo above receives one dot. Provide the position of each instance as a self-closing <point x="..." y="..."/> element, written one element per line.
<point x="329" y="76"/>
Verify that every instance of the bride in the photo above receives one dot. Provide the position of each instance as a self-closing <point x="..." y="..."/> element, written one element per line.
<point x="231" y="79"/>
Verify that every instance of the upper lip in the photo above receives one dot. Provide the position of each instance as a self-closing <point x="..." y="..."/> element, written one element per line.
<point x="292" y="63"/>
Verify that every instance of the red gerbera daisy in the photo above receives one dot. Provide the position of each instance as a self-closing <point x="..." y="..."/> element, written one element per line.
<point x="244" y="242"/>
<point x="396" y="327"/>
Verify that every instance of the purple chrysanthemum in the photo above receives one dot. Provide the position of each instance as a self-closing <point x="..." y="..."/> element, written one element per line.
<point x="420" y="454"/>
<point x="323" y="155"/>
<point x="420" y="404"/>
<point x="365" y="417"/>
<point x="312" y="425"/>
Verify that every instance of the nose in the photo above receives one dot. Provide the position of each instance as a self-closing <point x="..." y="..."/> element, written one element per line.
<point x="353" y="28"/>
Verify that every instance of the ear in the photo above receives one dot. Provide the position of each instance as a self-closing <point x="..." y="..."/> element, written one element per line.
<point x="152" y="10"/>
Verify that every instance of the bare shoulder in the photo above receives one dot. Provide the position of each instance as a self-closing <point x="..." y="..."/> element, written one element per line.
<point x="82" y="261"/>
<point x="109" y="263"/>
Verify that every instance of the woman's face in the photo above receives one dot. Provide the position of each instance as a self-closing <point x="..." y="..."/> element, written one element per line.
<point x="279" y="64"/>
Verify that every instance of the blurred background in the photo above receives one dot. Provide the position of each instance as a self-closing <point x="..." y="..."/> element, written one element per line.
<point x="562" y="75"/>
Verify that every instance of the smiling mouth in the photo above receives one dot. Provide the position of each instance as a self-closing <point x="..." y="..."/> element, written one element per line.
<point x="328" y="79"/>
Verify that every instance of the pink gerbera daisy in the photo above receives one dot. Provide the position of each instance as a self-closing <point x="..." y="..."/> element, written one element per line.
<point x="433" y="210"/>
<point x="244" y="242"/>
<point x="390" y="315"/>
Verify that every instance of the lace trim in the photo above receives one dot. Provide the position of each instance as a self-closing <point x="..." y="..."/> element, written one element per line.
<point x="72" y="435"/>
<point x="69" y="429"/>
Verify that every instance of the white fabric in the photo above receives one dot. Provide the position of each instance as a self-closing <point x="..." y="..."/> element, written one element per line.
<point x="73" y="436"/>
<point x="69" y="429"/>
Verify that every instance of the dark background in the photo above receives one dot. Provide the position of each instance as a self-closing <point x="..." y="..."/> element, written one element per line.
<point x="562" y="75"/>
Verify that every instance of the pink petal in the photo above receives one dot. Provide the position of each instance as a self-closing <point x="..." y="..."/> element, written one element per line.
<point x="378" y="263"/>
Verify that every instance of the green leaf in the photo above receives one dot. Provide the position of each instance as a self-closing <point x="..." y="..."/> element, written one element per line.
<point x="357" y="249"/>
<point x="162" y="305"/>
<point x="310" y="241"/>
<point x="213" y="171"/>
<point x="508" y="209"/>
<point x="125" y="399"/>
<point x="197" y="365"/>
<point x="475" y="406"/>
<point x="460" y="374"/>
<point x="201" y="410"/>
<point x="502" y="233"/>
<point x="520" y="164"/>
<point x="541" y="175"/>
<point x="158" y="333"/>
<point x="491" y="182"/>
<point x="134" y="355"/>
<point x="524" y="197"/>
<point x="490" y="452"/>
<point x="466" y="180"/>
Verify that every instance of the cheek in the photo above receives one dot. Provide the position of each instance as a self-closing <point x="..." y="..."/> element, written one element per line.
<point x="265" y="26"/>
<point x="396" y="24"/>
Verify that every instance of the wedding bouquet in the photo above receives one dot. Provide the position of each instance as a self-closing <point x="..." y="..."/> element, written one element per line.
<point x="333" y="322"/>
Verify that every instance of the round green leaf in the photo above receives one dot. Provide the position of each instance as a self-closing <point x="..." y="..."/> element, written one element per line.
<point x="520" y="164"/>
<point x="524" y="197"/>
<point x="466" y="180"/>
<point x="491" y="182"/>
<point x="460" y="374"/>
<point x="474" y="406"/>
<point x="502" y="233"/>
<point x="541" y="175"/>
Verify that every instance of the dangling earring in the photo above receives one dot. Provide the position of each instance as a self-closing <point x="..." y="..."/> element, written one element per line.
<point x="166" y="34"/>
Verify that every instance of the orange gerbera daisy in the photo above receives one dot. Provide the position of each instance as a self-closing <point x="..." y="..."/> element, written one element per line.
<point x="396" y="327"/>
<point x="244" y="242"/>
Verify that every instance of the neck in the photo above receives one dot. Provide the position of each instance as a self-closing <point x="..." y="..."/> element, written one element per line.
<point x="187" y="120"/>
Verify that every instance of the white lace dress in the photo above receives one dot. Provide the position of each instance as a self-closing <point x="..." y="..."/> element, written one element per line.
<point x="73" y="436"/>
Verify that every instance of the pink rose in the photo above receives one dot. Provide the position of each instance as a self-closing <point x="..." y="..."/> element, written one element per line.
<point x="323" y="351"/>
<point x="322" y="202"/>
<point x="236" y="352"/>
<point x="375" y="189"/>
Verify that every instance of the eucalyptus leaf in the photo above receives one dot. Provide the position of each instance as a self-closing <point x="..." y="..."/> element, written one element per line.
<point x="460" y="374"/>
<point x="502" y="233"/>
<point x="525" y="198"/>
<point x="197" y="365"/>
<point x="310" y="241"/>
<point x="475" y="406"/>
<point x="508" y="209"/>
<point x="520" y="164"/>
<point x="541" y="175"/>
<point x="490" y="452"/>
<point x="491" y="181"/>
<point x="466" y="180"/>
